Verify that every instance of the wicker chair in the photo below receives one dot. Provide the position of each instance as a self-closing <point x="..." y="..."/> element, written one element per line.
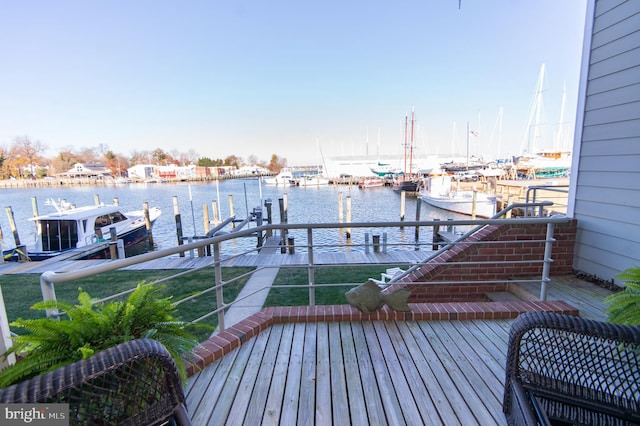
<point x="570" y="370"/>
<point x="134" y="383"/>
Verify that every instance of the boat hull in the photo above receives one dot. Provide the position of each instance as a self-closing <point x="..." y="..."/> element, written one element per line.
<point x="462" y="203"/>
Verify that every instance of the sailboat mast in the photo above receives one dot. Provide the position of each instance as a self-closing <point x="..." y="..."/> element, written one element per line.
<point x="411" y="145"/>
<point x="404" y="169"/>
<point x="468" y="132"/>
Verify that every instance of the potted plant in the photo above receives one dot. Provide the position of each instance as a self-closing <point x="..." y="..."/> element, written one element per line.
<point x="624" y="305"/>
<point x="90" y="328"/>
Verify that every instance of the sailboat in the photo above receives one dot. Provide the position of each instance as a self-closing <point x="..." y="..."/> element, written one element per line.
<point x="405" y="182"/>
<point x="539" y="163"/>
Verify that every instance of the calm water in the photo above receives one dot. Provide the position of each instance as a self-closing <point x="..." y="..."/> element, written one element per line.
<point x="305" y="205"/>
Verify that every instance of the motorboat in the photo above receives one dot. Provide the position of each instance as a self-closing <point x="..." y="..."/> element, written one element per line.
<point x="371" y="182"/>
<point x="284" y="178"/>
<point x="73" y="227"/>
<point x="437" y="192"/>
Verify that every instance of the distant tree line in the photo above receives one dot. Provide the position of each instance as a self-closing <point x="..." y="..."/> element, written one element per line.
<point x="25" y="158"/>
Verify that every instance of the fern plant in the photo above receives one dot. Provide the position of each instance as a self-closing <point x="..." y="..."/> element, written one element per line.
<point x="91" y="328"/>
<point x="624" y="305"/>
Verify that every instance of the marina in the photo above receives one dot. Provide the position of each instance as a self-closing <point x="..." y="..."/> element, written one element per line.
<point x="204" y="205"/>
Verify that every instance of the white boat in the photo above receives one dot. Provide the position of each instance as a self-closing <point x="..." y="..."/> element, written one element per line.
<point x="284" y="178"/>
<point x="313" y="180"/>
<point x="371" y="182"/>
<point x="73" y="227"/>
<point x="545" y="164"/>
<point x="437" y="192"/>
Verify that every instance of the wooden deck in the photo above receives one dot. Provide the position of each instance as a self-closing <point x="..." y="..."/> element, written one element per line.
<point x="358" y="373"/>
<point x="380" y="372"/>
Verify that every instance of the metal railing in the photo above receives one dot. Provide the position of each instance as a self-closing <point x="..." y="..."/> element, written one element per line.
<point x="49" y="279"/>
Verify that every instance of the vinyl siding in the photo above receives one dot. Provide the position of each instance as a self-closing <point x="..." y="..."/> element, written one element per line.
<point x="606" y="196"/>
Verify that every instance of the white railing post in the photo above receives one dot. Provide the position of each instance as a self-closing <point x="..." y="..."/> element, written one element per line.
<point x="5" y="335"/>
<point x="546" y="266"/>
<point x="312" y="292"/>
<point x="218" y="284"/>
<point x="48" y="292"/>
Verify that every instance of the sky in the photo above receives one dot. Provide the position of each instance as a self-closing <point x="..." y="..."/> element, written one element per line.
<point x="302" y="80"/>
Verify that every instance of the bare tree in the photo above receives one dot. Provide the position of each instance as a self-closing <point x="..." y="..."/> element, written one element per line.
<point x="30" y="152"/>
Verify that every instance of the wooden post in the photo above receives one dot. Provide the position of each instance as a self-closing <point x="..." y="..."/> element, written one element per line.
<point x="376" y="243"/>
<point x="291" y="245"/>
<point x="147" y="223"/>
<point x="267" y="205"/>
<point x="340" y="208"/>
<point x="231" y="211"/>
<point x="113" y="245"/>
<point x="116" y="202"/>
<point x="283" y="219"/>
<point x="285" y="198"/>
<point x="34" y="206"/>
<point x="435" y="238"/>
<point x="417" y="233"/>
<point x="12" y="225"/>
<point x="473" y="204"/>
<point x="205" y="216"/>
<point x="176" y="215"/>
<point x="257" y="213"/>
<point x="216" y="216"/>
<point x="403" y="198"/>
<point x="348" y="216"/>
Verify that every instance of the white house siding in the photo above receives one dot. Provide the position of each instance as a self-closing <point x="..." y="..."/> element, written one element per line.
<point x="605" y="193"/>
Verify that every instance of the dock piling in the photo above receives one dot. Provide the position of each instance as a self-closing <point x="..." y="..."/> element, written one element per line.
<point x="417" y="231"/>
<point x="147" y="223"/>
<point x="34" y="206"/>
<point x="348" y="216"/>
<point x="178" y="219"/>
<point x="403" y="199"/>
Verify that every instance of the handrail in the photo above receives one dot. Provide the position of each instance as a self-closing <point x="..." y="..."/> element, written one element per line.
<point x="49" y="278"/>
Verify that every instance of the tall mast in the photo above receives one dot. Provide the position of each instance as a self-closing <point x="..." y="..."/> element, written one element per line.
<point x="411" y="145"/>
<point x="468" y="132"/>
<point x="404" y="170"/>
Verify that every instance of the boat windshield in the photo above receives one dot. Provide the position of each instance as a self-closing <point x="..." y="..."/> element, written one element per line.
<point x="59" y="234"/>
<point x="109" y="219"/>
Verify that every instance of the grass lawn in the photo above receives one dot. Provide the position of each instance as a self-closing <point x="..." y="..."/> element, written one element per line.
<point x="334" y="295"/>
<point x="22" y="291"/>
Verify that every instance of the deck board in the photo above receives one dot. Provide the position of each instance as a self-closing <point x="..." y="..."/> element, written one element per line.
<point x="356" y="399"/>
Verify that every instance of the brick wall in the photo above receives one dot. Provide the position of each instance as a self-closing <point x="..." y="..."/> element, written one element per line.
<point x="487" y="259"/>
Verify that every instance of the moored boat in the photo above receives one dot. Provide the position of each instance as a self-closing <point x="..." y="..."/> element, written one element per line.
<point x="284" y="178"/>
<point x="437" y="193"/>
<point x="371" y="182"/>
<point x="73" y="227"/>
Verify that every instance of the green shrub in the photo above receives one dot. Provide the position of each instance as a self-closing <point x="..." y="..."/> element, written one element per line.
<point x="625" y="305"/>
<point x="91" y="328"/>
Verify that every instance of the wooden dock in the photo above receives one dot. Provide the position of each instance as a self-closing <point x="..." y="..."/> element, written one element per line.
<point x="251" y="260"/>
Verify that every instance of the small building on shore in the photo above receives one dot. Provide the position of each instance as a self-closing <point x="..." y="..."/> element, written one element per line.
<point x="86" y="171"/>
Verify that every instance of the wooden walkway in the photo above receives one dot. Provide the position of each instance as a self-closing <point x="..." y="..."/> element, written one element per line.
<point x="250" y="260"/>
<point x="380" y="372"/>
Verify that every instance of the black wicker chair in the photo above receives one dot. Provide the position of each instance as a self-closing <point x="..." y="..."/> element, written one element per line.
<point x="570" y="370"/>
<point x="134" y="383"/>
